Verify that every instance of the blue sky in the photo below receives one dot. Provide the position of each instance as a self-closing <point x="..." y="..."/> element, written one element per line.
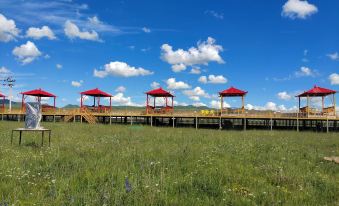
<point x="272" y="49"/>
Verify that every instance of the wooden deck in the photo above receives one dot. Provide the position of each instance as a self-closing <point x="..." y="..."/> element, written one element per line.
<point x="261" y="120"/>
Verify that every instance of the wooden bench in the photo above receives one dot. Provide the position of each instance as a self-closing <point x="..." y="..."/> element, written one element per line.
<point x="21" y="130"/>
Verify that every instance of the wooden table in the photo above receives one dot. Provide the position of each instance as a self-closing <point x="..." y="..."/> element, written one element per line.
<point x="21" y="130"/>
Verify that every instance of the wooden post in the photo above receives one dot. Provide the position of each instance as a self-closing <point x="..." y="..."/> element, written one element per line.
<point x="327" y="129"/>
<point x="151" y="121"/>
<point x="131" y="120"/>
<point x="220" y="127"/>
<point x="298" y="121"/>
<point x="271" y="124"/>
<point x="110" y="119"/>
<point x="245" y="124"/>
<point x="173" y="119"/>
<point x="196" y="122"/>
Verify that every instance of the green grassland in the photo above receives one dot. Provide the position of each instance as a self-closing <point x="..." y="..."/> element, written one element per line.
<point x="141" y="165"/>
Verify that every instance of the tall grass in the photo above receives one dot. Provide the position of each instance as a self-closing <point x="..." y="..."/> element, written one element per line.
<point x="135" y="165"/>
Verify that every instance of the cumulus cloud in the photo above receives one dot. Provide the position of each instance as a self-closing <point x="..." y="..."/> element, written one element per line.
<point x="334" y="79"/>
<point x="26" y="53"/>
<point x="178" y="67"/>
<point x="120" y="100"/>
<point x="213" y="79"/>
<point x="4" y="70"/>
<point x="305" y="72"/>
<point x="155" y="85"/>
<point x="205" y="52"/>
<point x="334" y="56"/>
<point x="37" y="33"/>
<point x="284" y="96"/>
<point x="8" y="29"/>
<point x="298" y="9"/>
<point x="77" y="83"/>
<point x="72" y="31"/>
<point x="173" y="84"/>
<point x="196" y="93"/>
<point x="216" y="104"/>
<point x="146" y="30"/>
<point x="58" y="66"/>
<point x="195" y="70"/>
<point x="121" y="69"/>
<point x="120" y="89"/>
<point x="269" y="106"/>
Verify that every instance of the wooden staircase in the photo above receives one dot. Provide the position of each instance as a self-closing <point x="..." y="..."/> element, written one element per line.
<point x="90" y="118"/>
<point x="70" y="116"/>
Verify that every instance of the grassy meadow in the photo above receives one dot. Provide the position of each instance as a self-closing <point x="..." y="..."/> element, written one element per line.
<point x="140" y="165"/>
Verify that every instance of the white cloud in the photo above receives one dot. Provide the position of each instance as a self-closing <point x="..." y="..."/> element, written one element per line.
<point x="199" y="104"/>
<point x="334" y="56"/>
<point x="155" y="85"/>
<point x="94" y="20"/>
<point x="8" y="29"/>
<point x="77" y="83"/>
<point x="120" y="100"/>
<point x="196" y="93"/>
<point x="120" y="89"/>
<point x="212" y="79"/>
<point x="58" y="66"/>
<point x="334" y="79"/>
<point x="195" y="70"/>
<point x="305" y="72"/>
<point x="4" y="70"/>
<point x="180" y="103"/>
<point x="121" y="69"/>
<point x="269" y="106"/>
<point x="26" y="53"/>
<point x="284" y="96"/>
<point x="146" y="30"/>
<point x="72" y="31"/>
<point x="206" y="51"/>
<point x="216" y="104"/>
<point x="173" y="84"/>
<point x="298" y="9"/>
<point x="215" y="14"/>
<point x="249" y="107"/>
<point x="37" y="33"/>
<point x="178" y="67"/>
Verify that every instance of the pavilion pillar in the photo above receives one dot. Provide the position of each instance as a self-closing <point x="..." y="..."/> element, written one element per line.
<point x="54" y="103"/>
<point x="221" y="104"/>
<point x="3" y="104"/>
<point x="334" y="105"/>
<point x="22" y="102"/>
<point x="308" y="106"/>
<point x="80" y="101"/>
<point x="146" y="103"/>
<point x="110" y="107"/>
<point x="172" y="105"/>
<point x="154" y="102"/>
<point x="299" y="104"/>
<point x="243" y="105"/>
<point x="322" y="105"/>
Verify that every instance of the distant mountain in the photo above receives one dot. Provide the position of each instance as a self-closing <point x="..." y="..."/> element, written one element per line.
<point x="70" y="106"/>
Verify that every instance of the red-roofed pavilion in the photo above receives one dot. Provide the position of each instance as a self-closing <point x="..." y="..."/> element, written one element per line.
<point x="3" y="102"/>
<point x="156" y="93"/>
<point x="96" y="94"/>
<point x="318" y="92"/>
<point x="232" y="92"/>
<point x="38" y="93"/>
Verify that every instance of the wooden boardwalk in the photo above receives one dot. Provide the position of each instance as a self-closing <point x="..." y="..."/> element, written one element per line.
<point x="268" y="120"/>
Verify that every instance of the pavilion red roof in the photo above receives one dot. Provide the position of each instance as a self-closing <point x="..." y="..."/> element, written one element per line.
<point x="159" y="93"/>
<point x="38" y="93"/>
<point x="96" y="93"/>
<point x="317" y="91"/>
<point x="232" y="91"/>
<point x="1" y="95"/>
